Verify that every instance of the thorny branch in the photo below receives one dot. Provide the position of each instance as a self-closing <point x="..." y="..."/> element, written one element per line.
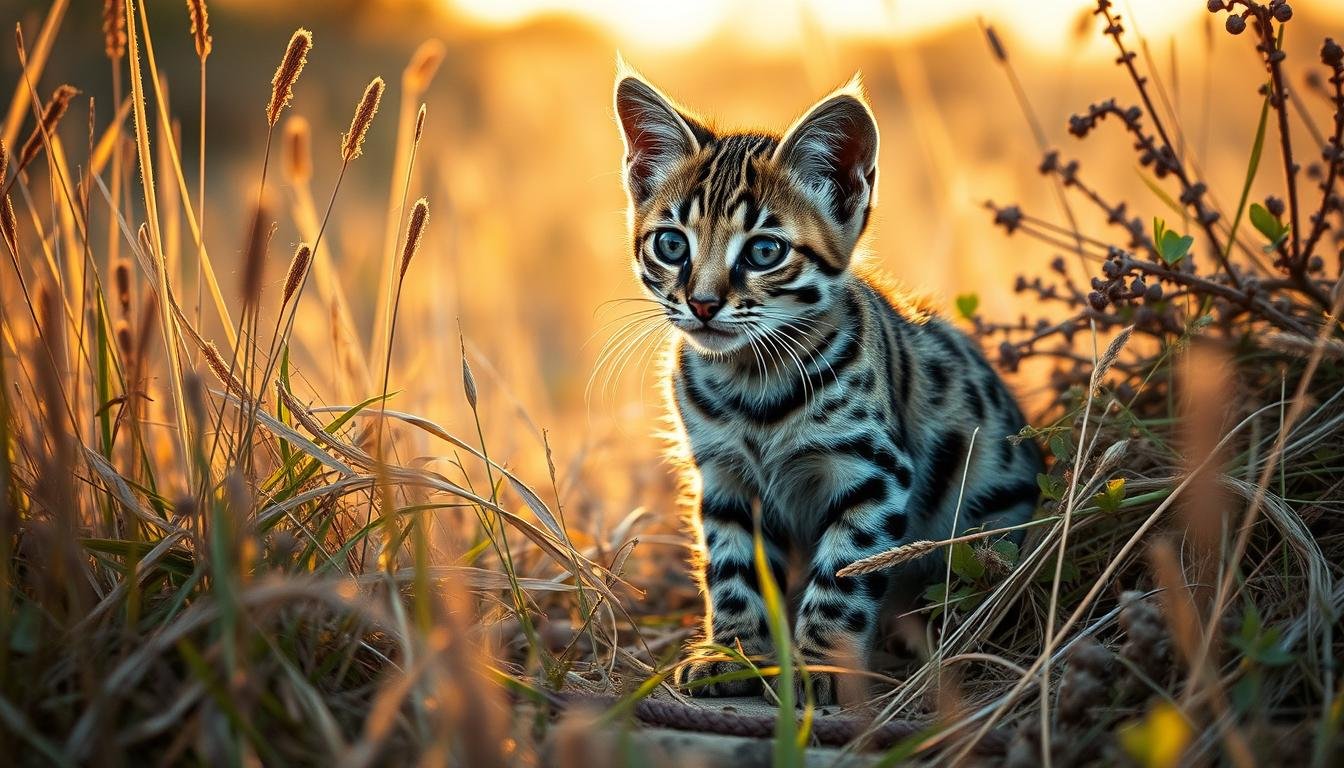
<point x="1167" y="298"/>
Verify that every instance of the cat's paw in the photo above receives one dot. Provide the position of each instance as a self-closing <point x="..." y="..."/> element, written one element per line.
<point x="825" y="687"/>
<point x="698" y="677"/>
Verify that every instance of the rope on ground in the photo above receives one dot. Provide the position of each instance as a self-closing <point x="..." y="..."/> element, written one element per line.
<point x="832" y="731"/>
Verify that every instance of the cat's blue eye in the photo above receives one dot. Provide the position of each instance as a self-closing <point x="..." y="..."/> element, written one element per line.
<point x="671" y="246"/>
<point x="764" y="251"/>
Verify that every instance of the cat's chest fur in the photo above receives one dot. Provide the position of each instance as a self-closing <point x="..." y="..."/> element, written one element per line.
<point x="794" y="434"/>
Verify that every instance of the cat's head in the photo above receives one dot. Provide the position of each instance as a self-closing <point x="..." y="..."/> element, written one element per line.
<point x="744" y="236"/>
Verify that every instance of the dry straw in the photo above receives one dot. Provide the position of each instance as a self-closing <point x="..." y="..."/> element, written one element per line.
<point x="200" y="27"/>
<point x="298" y="154"/>
<point x="282" y="84"/>
<point x="146" y="245"/>
<point x="352" y="144"/>
<point x="114" y="29"/>
<point x="417" y="229"/>
<point x="51" y="117"/>
<point x="298" y="267"/>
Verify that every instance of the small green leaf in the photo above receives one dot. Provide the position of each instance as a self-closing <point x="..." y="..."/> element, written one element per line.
<point x="965" y="564"/>
<point x="1268" y="224"/>
<point x="1060" y="446"/>
<point x="967" y="303"/>
<point x="1007" y="550"/>
<point x="1265" y="222"/>
<point x="1049" y="486"/>
<point x="1174" y="247"/>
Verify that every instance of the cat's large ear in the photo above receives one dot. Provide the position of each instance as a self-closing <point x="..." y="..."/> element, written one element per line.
<point x="657" y="134"/>
<point x="832" y="153"/>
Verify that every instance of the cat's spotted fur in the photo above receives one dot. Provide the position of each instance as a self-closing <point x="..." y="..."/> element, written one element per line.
<point x="800" y="383"/>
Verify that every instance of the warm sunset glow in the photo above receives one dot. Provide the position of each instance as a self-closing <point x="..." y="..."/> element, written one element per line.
<point x="781" y="24"/>
<point x="520" y="382"/>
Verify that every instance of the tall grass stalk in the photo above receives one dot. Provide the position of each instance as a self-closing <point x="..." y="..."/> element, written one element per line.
<point x="204" y="44"/>
<point x="167" y="322"/>
<point x="416" y="78"/>
<point x="351" y="148"/>
<point x="414" y="233"/>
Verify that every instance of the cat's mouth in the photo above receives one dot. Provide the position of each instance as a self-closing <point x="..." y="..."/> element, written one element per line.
<point x="709" y="331"/>
<point x="713" y="339"/>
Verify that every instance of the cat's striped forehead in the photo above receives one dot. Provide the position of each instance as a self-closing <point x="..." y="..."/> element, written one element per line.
<point x="722" y="177"/>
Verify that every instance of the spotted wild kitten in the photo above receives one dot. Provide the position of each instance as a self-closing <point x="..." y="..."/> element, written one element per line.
<point x="801" y="383"/>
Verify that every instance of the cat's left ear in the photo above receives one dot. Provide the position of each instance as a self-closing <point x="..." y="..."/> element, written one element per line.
<point x="658" y="135"/>
<point x="832" y="152"/>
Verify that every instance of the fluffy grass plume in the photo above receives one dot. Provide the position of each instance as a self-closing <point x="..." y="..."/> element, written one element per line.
<point x="199" y="15"/>
<point x="291" y="66"/>
<point x="352" y="142"/>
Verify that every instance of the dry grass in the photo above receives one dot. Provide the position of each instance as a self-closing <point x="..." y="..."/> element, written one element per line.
<point x="203" y="561"/>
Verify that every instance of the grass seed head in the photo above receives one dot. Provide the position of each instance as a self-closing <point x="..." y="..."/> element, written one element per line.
<point x="254" y="262"/>
<point x="221" y="369"/>
<point x="468" y="380"/>
<point x="420" y="123"/>
<point x="889" y="559"/>
<point x="424" y="64"/>
<point x="51" y="117"/>
<point x="282" y="84"/>
<point x="298" y="267"/>
<point x="114" y="29"/>
<point x="298" y="151"/>
<point x="123" y="333"/>
<point x="9" y="223"/>
<point x="121" y="278"/>
<point x="417" y="229"/>
<point x="200" y="27"/>
<point x="352" y="144"/>
<point x="995" y="44"/>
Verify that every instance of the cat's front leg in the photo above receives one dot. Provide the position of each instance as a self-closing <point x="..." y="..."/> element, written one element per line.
<point x="837" y="618"/>
<point x="735" y="614"/>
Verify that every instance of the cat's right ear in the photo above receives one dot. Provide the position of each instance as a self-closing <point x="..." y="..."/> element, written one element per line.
<point x="657" y="134"/>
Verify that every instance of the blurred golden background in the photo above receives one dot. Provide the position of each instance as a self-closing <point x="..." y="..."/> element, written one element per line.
<point x="526" y="244"/>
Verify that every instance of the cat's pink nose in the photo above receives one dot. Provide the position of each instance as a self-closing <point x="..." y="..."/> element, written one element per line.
<point x="704" y="309"/>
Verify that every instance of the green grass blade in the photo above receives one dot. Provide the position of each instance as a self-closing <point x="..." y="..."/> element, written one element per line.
<point x="789" y="738"/>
